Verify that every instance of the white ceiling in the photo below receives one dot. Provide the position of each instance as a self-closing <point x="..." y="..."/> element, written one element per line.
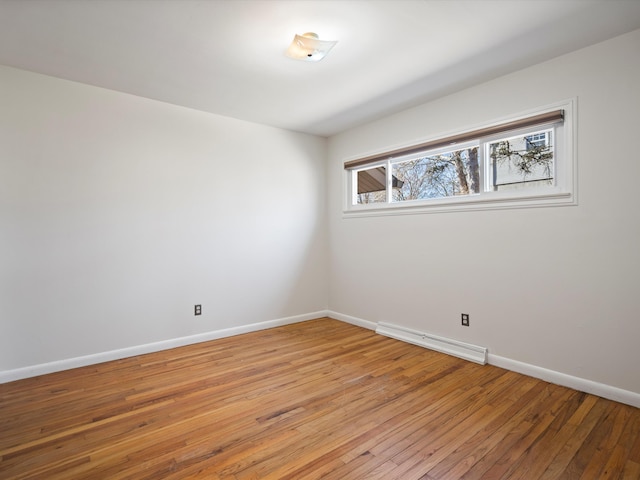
<point x="227" y="56"/>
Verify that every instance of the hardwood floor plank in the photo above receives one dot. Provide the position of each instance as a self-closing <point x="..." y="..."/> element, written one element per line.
<point x="520" y="435"/>
<point x="314" y="400"/>
<point x="542" y="451"/>
<point x="476" y="447"/>
<point x="537" y="455"/>
<point x="577" y="434"/>
<point x="631" y="471"/>
<point x="631" y="437"/>
<point x="506" y="455"/>
<point x="591" y="458"/>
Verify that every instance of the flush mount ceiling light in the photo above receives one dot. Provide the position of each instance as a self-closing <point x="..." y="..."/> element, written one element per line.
<point x="309" y="47"/>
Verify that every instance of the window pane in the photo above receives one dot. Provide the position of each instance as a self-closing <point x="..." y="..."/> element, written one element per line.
<point x="523" y="161"/>
<point x="435" y="176"/>
<point x="372" y="185"/>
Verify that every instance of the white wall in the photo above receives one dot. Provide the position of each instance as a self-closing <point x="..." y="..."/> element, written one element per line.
<point x="557" y="288"/>
<point x="119" y="213"/>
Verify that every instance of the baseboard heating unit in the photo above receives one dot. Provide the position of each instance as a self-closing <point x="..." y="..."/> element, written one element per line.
<point x="467" y="351"/>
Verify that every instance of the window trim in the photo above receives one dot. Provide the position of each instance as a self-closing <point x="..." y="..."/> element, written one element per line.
<point x="564" y="192"/>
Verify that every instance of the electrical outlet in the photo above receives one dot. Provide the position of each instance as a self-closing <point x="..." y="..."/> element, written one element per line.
<point x="465" y="319"/>
<point x="197" y="310"/>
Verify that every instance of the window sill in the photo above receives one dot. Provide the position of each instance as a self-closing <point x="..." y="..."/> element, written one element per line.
<point x="461" y="204"/>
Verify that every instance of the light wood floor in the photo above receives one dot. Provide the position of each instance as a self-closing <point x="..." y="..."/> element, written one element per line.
<point x="319" y="399"/>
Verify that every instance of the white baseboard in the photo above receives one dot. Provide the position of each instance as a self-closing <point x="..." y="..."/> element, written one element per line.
<point x="67" y="364"/>
<point x="577" y="383"/>
<point x="352" y="320"/>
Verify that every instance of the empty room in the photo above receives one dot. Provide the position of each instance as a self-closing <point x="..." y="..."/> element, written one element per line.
<point x="287" y="239"/>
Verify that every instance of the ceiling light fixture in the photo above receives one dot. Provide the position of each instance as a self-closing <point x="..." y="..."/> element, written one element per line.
<point x="309" y="47"/>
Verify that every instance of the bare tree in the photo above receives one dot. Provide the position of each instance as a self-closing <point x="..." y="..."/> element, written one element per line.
<point x="474" y="171"/>
<point x="532" y="159"/>
<point x="444" y="175"/>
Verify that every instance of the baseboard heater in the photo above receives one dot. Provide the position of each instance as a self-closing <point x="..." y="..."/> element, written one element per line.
<point x="433" y="342"/>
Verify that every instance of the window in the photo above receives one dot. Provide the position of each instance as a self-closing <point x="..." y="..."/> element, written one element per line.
<point x="437" y="175"/>
<point x="523" y="162"/>
<point x="372" y="185"/>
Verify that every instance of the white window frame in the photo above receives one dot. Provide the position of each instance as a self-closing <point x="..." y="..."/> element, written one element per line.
<point x="563" y="192"/>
